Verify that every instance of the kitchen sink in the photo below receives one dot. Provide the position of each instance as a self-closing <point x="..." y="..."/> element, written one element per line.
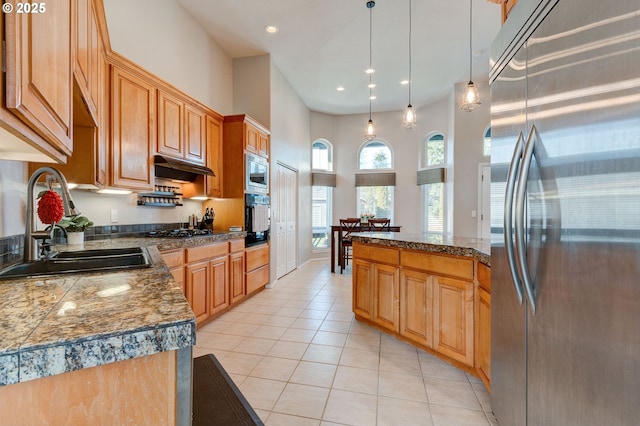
<point x="82" y="261"/>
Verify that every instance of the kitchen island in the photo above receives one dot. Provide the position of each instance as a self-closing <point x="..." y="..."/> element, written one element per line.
<point x="431" y="291"/>
<point x="100" y="348"/>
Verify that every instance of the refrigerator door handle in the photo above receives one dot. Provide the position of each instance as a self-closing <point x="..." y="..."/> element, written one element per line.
<point x="512" y="175"/>
<point x="520" y="228"/>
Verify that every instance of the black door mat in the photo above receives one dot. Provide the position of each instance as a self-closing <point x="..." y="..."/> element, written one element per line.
<point x="216" y="399"/>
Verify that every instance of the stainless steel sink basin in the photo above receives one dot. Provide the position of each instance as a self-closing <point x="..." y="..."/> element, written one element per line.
<point x="82" y="261"/>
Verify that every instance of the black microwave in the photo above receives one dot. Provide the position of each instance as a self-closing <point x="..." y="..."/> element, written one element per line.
<point x="257" y="174"/>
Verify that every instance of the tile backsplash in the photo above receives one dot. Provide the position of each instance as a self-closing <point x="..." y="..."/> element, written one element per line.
<point x="11" y="247"/>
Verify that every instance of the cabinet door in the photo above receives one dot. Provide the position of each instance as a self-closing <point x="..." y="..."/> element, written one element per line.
<point x="236" y="277"/>
<point x="133" y="130"/>
<point x="453" y="319"/>
<point x="416" y="307"/>
<point x="252" y="139"/>
<point x="219" y="285"/>
<point x="39" y="72"/>
<point x="214" y="156"/>
<point x="194" y="135"/>
<point x="170" y="119"/>
<point x="197" y="277"/>
<point x="263" y="144"/>
<point x="386" y="307"/>
<point x="86" y="52"/>
<point x="362" y="289"/>
<point x="483" y="336"/>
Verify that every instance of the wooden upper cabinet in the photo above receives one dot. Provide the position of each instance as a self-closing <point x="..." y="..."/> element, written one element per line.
<point x="39" y="76"/>
<point x="194" y="134"/>
<point x="181" y="129"/>
<point x="256" y="140"/>
<point x="133" y="130"/>
<point x="507" y="5"/>
<point x="87" y="49"/>
<point x="170" y="119"/>
<point x="214" y="156"/>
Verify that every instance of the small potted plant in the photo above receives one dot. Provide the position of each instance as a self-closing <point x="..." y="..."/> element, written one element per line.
<point x="364" y="217"/>
<point x="75" y="227"/>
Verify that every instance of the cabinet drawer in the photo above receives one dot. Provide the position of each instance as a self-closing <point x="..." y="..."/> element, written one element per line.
<point x="484" y="277"/>
<point x="257" y="257"/>
<point x="194" y="254"/>
<point x="377" y="254"/>
<point x="256" y="279"/>
<point x="236" y="245"/>
<point x="173" y="257"/>
<point x="441" y="265"/>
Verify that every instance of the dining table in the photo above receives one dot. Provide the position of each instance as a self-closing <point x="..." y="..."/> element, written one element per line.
<point x="363" y="227"/>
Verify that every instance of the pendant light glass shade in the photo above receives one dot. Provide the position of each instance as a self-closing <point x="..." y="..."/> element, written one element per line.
<point x="370" y="133"/>
<point x="409" y="116"/>
<point x="471" y="98"/>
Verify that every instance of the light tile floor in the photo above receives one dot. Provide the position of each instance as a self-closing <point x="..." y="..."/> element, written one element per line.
<point x="300" y="358"/>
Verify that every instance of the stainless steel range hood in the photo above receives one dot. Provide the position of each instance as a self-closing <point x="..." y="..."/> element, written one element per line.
<point x="171" y="168"/>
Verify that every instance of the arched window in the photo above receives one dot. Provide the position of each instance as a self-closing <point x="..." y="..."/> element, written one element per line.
<point x="322" y="155"/>
<point x="486" y="142"/>
<point x="375" y="188"/>
<point x="321" y="193"/>
<point x="433" y="150"/>
<point x="433" y="160"/>
<point x="375" y="155"/>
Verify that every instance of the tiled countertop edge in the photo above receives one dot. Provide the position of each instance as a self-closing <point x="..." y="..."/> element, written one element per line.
<point x="41" y="362"/>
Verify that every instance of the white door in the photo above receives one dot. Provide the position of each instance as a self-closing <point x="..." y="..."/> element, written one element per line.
<point x="484" y="201"/>
<point x="285" y="203"/>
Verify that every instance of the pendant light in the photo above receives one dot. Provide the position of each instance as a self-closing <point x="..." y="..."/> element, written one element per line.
<point x="370" y="133"/>
<point x="409" y="116"/>
<point x="471" y="96"/>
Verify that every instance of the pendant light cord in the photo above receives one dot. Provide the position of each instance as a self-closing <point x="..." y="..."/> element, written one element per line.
<point x="370" y="5"/>
<point x="410" y="1"/>
<point x="470" y="27"/>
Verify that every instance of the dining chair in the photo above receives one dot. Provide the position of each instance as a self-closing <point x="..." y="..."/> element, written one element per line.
<point x="347" y="226"/>
<point x="380" y="224"/>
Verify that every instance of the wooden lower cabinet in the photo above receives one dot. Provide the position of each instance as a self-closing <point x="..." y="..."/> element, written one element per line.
<point x="256" y="267"/>
<point x="219" y="284"/>
<point x="453" y="319"/>
<point x="362" y="289"/>
<point x="236" y="277"/>
<point x="427" y="299"/>
<point x="386" y="301"/>
<point x="197" y="285"/>
<point x="483" y="324"/>
<point x="174" y="259"/>
<point x="416" y="307"/>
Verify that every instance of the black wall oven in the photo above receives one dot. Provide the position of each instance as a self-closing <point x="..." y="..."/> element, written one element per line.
<point x="257" y="213"/>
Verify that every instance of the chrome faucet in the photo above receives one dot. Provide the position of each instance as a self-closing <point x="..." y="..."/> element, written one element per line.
<point x="30" y="233"/>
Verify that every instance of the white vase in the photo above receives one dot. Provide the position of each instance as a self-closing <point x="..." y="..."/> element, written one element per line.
<point x="75" y="238"/>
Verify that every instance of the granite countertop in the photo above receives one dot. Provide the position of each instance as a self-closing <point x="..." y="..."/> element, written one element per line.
<point x="65" y="322"/>
<point x="458" y="246"/>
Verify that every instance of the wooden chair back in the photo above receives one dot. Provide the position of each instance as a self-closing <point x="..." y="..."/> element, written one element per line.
<point x="380" y="224"/>
<point x="349" y="225"/>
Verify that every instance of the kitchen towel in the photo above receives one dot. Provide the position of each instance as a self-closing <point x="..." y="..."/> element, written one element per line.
<point x="260" y="222"/>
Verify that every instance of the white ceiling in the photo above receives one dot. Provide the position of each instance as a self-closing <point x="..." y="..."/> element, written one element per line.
<point x="323" y="44"/>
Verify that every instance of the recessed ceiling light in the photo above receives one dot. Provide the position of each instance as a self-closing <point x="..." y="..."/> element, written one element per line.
<point x="371" y="85"/>
<point x="271" y="29"/>
<point x="340" y="89"/>
<point x="370" y="71"/>
<point x="404" y="82"/>
<point x="372" y="97"/>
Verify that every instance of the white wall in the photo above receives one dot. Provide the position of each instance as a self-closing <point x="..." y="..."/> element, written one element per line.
<point x="162" y="38"/>
<point x="13" y="178"/>
<point x="252" y="87"/>
<point x="468" y="137"/>
<point x="291" y="145"/>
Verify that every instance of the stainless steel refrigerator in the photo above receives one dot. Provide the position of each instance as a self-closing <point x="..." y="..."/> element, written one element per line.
<point x="565" y="253"/>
